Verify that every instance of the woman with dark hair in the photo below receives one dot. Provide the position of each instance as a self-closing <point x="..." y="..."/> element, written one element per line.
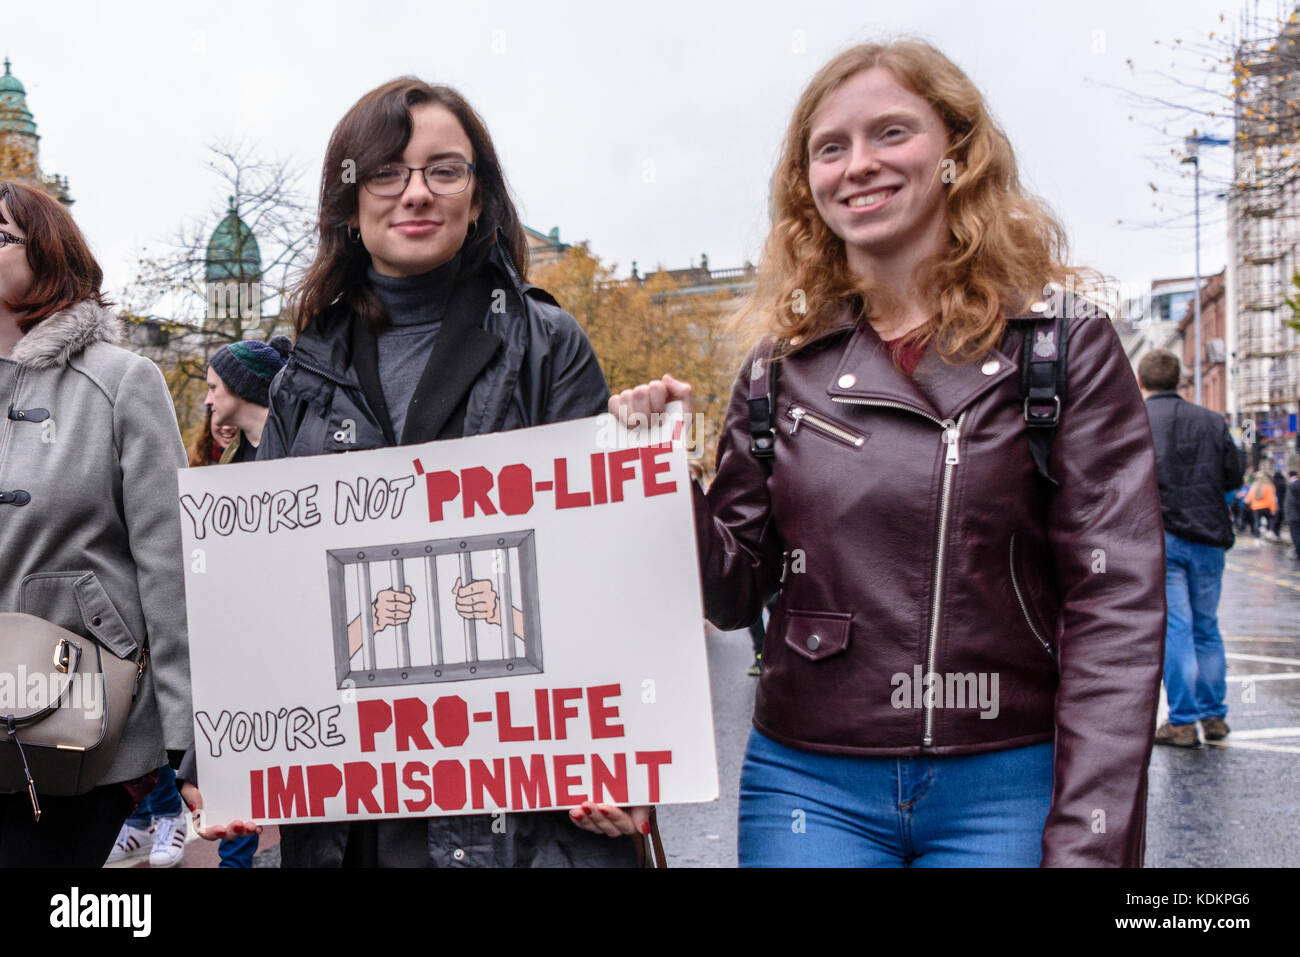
<point x="416" y="323"/>
<point x="90" y="538"/>
<point x="963" y="664"/>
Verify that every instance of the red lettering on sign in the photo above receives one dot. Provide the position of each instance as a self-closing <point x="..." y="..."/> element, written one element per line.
<point x="650" y="467"/>
<point x="603" y="780"/>
<point x="560" y="698"/>
<point x="492" y="782"/>
<point x="505" y="730"/>
<point x="621" y="471"/>
<point x="372" y="718"/>
<point x="286" y="796"/>
<point x="563" y="497"/>
<point x="255" y="792"/>
<point x="359" y="780"/>
<point x="529" y="783"/>
<point x="451" y="721"/>
<point x="652" y="760"/>
<point x="440" y="487"/>
<point x="409" y="716"/>
<point x="323" y="781"/>
<point x="515" y="486"/>
<point x="565" y="782"/>
<point x="475" y="484"/>
<point x="449" y="785"/>
<point x="598" y="494"/>
<point x="600" y="713"/>
<point x="412" y="771"/>
<point x="543" y="714"/>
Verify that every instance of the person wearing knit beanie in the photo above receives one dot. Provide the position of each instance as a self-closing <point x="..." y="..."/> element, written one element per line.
<point x="239" y="385"/>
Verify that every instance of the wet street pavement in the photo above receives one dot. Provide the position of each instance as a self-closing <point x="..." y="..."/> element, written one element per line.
<point x="1236" y="802"/>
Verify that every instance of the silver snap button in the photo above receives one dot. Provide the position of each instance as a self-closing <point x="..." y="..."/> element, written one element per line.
<point x="991" y="367"/>
<point x="458" y="854"/>
<point x="814" y="642"/>
<point x="847" y="381"/>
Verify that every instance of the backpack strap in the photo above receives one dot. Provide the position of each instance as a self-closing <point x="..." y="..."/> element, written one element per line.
<point x="1042" y="383"/>
<point x="762" y="404"/>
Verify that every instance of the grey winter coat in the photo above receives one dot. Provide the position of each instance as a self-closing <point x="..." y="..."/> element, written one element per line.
<point x="526" y="362"/>
<point x="93" y="543"/>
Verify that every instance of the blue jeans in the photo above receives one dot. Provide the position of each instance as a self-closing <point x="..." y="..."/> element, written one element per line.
<point x="1196" y="671"/>
<point x="802" y="809"/>
<point x="238" y="851"/>
<point x="163" y="801"/>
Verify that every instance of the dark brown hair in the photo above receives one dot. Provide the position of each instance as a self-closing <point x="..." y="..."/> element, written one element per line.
<point x="64" y="271"/>
<point x="373" y="132"/>
<point x="1159" y="371"/>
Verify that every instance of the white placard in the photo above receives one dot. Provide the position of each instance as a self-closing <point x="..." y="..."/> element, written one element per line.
<point x="535" y="632"/>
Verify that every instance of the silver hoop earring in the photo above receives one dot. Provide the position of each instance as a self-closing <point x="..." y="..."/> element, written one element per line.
<point x="353" y="234"/>
<point x="472" y="231"/>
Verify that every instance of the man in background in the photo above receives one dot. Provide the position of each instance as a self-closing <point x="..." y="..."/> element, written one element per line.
<point x="1196" y="464"/>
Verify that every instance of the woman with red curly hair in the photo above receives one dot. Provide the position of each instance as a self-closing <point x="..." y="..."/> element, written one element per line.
<point x="963" y="661"/>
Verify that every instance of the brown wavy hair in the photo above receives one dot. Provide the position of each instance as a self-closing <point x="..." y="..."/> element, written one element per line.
<point x="64" y="270"/>
<point x="1005" y="245"/>
<point x="373" y="132"/>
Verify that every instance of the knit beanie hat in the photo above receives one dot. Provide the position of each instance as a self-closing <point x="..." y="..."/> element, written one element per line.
<point x="248" y="367"/>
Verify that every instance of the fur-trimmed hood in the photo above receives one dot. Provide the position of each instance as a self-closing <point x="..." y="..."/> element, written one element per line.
<point x="67" y="334"/>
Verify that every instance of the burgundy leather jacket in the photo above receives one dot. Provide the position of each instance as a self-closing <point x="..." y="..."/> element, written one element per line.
<point x="907" y="530"/>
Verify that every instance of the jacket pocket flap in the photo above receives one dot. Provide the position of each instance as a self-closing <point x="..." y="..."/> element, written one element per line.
<point x="817" y="634"/>
<point x="101" y="618"/>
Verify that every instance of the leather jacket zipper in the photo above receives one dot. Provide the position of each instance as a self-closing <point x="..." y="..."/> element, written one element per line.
<point x="951" y="437"/>
<point x="800" y="415"/>
<point x="1024" y="609"/>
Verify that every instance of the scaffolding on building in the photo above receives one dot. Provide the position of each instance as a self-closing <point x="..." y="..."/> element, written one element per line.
<point x="1264" y="214"/>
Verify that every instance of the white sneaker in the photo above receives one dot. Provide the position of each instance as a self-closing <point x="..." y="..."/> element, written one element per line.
<point x="132" y="842"/>
<point x="168" y="841"/>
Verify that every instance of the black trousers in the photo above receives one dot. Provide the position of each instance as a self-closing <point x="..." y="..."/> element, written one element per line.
<point x="1294" y="525"/>
<point x="72" y="832"/>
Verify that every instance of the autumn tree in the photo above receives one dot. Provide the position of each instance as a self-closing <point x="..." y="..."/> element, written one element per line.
<point x="642" y="329"/>
<point x="224" y="275"/>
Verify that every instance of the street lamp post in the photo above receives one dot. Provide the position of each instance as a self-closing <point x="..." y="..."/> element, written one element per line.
<point x="1193" y="143"/>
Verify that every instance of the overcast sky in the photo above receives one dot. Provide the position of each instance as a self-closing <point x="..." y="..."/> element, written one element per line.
<point x="583" y="98"/>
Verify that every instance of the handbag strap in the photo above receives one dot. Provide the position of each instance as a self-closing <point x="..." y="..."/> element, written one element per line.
<point x="650" y="849"/>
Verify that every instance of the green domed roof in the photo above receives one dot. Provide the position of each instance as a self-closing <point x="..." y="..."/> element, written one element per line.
<point x="14" y="115"/>
<point x="233" y="252"/>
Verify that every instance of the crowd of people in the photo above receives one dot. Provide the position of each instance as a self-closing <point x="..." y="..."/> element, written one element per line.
<point x="900" y="339"/>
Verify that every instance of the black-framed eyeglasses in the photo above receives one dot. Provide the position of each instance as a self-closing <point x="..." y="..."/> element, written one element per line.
<point x="444" y="178"/>
<point x="7" y="238"/>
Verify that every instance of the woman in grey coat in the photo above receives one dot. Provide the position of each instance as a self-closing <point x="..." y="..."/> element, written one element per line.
<point x="89" y="526"/>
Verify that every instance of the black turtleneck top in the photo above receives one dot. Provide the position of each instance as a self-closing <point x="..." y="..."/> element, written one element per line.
<point x="415" y="307"/>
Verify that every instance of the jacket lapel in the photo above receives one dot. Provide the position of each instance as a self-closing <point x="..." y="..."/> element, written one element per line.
<point x="461" y="351"/>
<point x="937" y="389"/>
<point x="365" y="359"/>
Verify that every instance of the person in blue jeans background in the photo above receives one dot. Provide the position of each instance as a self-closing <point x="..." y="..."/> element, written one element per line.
<point x="1196" y="464"/>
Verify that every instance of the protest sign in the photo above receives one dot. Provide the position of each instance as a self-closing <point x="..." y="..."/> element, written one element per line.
<point x="510" y="622"/>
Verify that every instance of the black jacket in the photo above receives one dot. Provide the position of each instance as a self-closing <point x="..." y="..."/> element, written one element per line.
<point x="1196" y="464"/>
<point x="524" y="362"/>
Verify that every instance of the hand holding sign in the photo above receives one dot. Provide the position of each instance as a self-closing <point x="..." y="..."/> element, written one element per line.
<point x="650" y="398"/>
